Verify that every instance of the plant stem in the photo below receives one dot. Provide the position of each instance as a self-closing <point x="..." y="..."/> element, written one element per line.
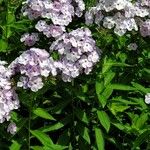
<point x="33" y="99"/>
<point x="5" y="34"/>
<point x="29" y="127"/>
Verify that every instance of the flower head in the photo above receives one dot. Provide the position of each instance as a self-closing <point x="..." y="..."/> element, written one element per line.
<point x="77" y="51"/>
<point x="33" y="64"/>
<point x="8" y="97"/>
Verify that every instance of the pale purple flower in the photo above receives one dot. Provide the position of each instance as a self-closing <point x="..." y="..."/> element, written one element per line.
<point x="29" y="39"/>
<point x="12" y="128"/>
<point x="35" y="83"/>
<point x="145" y="3"/>
<point x="145" y="28"/>
<point x="132" y="46"/>
<point x="41" y="25"/>
<point x="89" y="17"/>
<point x="147" y="98"/>
<point x="109" y="22"/>
<point x="80" y="7"/>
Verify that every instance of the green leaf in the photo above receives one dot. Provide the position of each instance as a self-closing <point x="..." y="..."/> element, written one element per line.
<point x="122" y="87"/>
<point x="54" y="147"/>
<point x="83" y="132"/>
<point x="60" y="106"/>
<point x="99" y="139"/>
<point x="3" y="45"/>
<point x="82" y="144"/>
<point x="142" y="138"/>
<point x="122" y="56"/>
<point x="122" y="127"/>
<point x="90" y="3"/>
<point x="140" y="101"/>
<point x="81" y="115"/>
<point x="14" y="116"/>
<point x="15" y="146"/>
<point x="99" y="89"/>
<point x="108" y="63"/>
<point x="108" y="78"/>
<point x="123" y="101"/>
<point x="104" y="119"/>
<point x="52" y="127"/>
<point x="20" y="25"/>
<point x="43" y="113"/>
<point x="56" y="126"/>
<point x="37" y="147"/>
<point x="140" y="87"/>
<point x="121" y="41"/>
<point x="1" y="1"/>
<point x="117" y="107"/>
<point x="103" y="97"/>
<point x="141" y="121"/>
<point x="64" y="138"/>
<point x="42" y="137"/>
<point x="99" y="86"/>
<point x="10" y="18"/>
<point x="146" y="70"/>
<point x="50" y="147"/>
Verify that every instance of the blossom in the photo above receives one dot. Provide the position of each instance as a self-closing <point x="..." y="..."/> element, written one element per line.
<point x="89" y="17"/>
<point x="12" y="128"/>
<point x="145" y="28"/>
<point x="50" y="30"/>
<point x="109" y="22"/>
<point x="145" y="3"/>
<point x="147" y="98"/>
<point x="29" y="39"/>
<point x="41" y="25"/>
<point x="132" y="46"/>
<point x="80" y="7"/>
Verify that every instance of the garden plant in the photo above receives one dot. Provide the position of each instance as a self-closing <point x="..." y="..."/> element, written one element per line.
<point x="74" y="74"/>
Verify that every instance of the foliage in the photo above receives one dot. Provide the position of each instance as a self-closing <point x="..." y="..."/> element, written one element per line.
<point x="102" y="110"/>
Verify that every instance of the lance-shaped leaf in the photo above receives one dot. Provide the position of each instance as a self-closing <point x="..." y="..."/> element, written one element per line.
<point x="99" y="139"/>
<point x="43" y="113"/>
<point x="104" y="119"/>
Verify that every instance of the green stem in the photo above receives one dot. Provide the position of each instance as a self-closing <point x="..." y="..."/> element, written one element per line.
<point x="148" y="145"/>
<point x="6" y="1"/>
<point x="33" y="99"/>
<point x="73" y="116"/>
<point x="29" y="127"/>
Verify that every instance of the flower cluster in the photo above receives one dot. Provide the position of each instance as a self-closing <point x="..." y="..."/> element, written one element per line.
<point x="121" y="15"/>
<point x="60" y="12"/>
<point x="29" y="39"/>
<point x="33" y="64"/>
<point x="8" y="97"/>
<point x="77" y="51"/>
